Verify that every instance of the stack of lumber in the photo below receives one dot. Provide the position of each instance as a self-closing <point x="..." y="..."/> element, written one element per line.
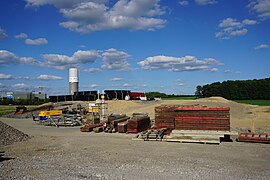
<point x="202" y="118"/>
<point x="122" y="127"/>
<point x="90" y="127"/>
<point x="113" y="121"/>
<point x="253" y="137"/>
<point x="138" y="124"/>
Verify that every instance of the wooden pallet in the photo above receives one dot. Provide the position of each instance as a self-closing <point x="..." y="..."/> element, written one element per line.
<point x="198" y="136"/>
<point x="204" y="141"/>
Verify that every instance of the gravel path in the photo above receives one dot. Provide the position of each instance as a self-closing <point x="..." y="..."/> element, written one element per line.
<point x="67" y="153"/>
<point x="112" y="156"/>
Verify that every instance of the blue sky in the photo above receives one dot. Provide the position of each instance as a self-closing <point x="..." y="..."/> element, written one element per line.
<point x="169" y="46"/>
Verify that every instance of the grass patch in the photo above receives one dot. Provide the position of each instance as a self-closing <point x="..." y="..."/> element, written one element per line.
<point x="6" y="109"/>
<point x="180" y="98"/>
<point x="255" y="102"/>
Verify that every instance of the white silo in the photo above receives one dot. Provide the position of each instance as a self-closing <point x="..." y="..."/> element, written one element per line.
<point x="73" y="80"/>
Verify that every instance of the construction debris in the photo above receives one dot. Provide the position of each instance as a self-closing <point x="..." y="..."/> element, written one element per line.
<point x="252" y="137"/>
<point x="10" y="135"/>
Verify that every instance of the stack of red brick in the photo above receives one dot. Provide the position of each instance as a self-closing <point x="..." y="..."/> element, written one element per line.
<point x="202" y="118"/>
<point x="122" y="127"/>
<point x="138" y="124"/>
<point x="192" y="118"/>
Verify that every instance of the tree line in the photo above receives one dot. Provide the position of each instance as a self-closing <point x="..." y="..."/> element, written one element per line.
<point x="164" y="95"/>
<point x="36" y="101"/>
<point x="237" y="90"/>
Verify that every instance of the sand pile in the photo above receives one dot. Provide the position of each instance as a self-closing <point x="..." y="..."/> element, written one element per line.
<point x="243" y="116"/>
<point x="10" y="135"/>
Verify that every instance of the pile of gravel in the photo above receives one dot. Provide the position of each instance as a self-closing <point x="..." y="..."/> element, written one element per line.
<point x="10" y="135"/>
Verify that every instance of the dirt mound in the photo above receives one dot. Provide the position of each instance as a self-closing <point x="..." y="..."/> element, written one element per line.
<point x="217" y="98"/>
<point x="10" y="135"/>
<point x="243" y="116"/>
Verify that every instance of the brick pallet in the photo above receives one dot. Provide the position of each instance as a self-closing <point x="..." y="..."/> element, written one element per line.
<point x="253" y="137"/>
<point x="138" y="124"/>
<point x="164" y="116"/>
<point x="122" y="127"/>
<point x="192" y="118"/>
<point x="202" y="118"/>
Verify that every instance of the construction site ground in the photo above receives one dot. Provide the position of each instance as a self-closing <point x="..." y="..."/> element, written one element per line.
<point x="67" y="153"/>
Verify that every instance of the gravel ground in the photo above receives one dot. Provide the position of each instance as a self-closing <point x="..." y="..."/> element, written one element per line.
<point x="10" y="135"/>
<point x="67" y="153"/>
<point x="76" y="155"/>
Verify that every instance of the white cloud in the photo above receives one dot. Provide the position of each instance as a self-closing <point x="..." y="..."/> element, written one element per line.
<point x="249" y="22"/>
<point x="41" y="77"/>
<point x="231" y="27"/>
<point x="86" y="16"/>
<point x="178" y="64"/>
<point x="92" y="70"/>
<point x="5" y="76"/>
<point x="59" y="3"/>
<point x="93" y="85"/>
<point x="113" y="59"/>
<point x="261" y="46"/>
<point x="3" y="34"/>
<point x="48" y="77"/>
<point x="229" y="22"/>
<point x="142" y="85"/>
<point x="7" y="57"/>
<point x="29" y="61"/>
<point x="60" y="61"/>
<point x="214" y="70"/>
<point x="127" y="85"/>
<point x="21" y="36"/>
<point x="86" y="57"/>
<point x="19" y="86"/>
<point x="205" y="2"/>
<point x="39" y="41"/>
<point x="240" y="32"/>
<point x="183" y="3"/>
<point x="232" y="72"/>
<point x="261" y="7"/>
<point x="117" y="79"/>
<point x="181" y="84"/>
